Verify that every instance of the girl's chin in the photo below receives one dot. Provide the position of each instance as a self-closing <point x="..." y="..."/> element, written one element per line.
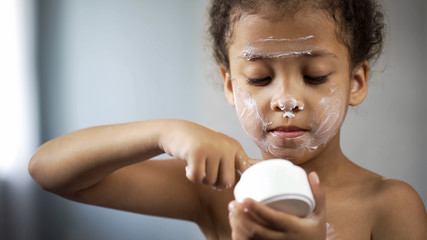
<point x="295" y="149"/>
<point x="290" y="154"/>
<point x="287" y="143"/>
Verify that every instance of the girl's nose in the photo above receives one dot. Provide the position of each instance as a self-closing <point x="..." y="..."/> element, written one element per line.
<point x="289" y="105"/>
<point x="287" y="98"/>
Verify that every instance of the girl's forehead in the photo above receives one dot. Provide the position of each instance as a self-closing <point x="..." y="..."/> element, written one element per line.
<point x="302" y="31"/>
<point x="254" y="27"/>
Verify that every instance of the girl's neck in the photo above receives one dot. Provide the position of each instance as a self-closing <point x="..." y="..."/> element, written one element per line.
<point x="330" y="164"/>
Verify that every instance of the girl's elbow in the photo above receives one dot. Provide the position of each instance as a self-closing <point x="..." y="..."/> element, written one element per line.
<point x="37" y="168"/>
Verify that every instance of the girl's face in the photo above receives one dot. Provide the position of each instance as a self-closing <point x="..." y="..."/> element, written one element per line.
<point x="291" y="83"/>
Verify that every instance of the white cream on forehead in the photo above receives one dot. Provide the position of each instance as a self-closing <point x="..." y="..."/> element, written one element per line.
<point x="277" y="48"/>
<point x="271" y="38"/>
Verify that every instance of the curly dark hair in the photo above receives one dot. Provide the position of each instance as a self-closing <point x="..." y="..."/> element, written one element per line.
<point x="360" y="23"/>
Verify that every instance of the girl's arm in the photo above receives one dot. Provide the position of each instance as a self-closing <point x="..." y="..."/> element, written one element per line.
<point x="78" y="160"/>
<point x="104" y="166"/>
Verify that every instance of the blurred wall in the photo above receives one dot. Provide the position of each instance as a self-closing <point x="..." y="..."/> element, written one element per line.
<point x="18" y="122"/>
<point x="110" y="61"/>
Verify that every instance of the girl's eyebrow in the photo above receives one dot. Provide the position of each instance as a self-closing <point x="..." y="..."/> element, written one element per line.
<point x="283" y="48"/>
<point x="322" y="53"/>
<point x="317" y="52"/>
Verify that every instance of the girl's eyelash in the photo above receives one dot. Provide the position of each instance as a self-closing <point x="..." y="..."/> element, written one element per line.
<point x="259" y="81"/>
<point x="309" y="79"/>
<point x="316" y="80"/>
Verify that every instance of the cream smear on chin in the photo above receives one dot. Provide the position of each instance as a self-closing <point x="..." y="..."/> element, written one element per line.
<point x="277" y="48"/>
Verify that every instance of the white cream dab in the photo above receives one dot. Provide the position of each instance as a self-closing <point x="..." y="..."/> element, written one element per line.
<point x="288" y="105"/>
<point x="330" y="232"/>
<point x="271" y="38"/>
<point x="288" y="115"/>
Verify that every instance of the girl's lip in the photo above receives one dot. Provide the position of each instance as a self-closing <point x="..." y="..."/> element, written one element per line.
<point x="287" y="132"/>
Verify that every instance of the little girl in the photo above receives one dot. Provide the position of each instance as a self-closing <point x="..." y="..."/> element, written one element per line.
<point x="291" y="69"/>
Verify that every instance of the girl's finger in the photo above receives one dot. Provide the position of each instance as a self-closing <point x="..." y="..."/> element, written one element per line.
<point x="226" y="175"/>
<point x="212" y="165"/>
<point x="244" y="226"/>
<point x="319" y="195"/>
<point x="195" y="169"/>
<point x="270" y="217"/>
<point x="242" y="161"/>
<point x="239" y="221"/>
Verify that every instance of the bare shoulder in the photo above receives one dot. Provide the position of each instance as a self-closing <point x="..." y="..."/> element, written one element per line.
<point x="399" y="211"/>
<point x="395" y="196"/>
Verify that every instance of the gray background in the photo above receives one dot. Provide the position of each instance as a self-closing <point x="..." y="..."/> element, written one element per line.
<point x="110" y="61"/>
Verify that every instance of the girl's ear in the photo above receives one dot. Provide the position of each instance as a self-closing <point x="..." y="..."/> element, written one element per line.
<point x="359" y="84"/>
<point x="228" y="84"/>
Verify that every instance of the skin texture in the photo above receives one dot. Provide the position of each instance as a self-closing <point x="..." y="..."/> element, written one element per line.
<point x="108" y="165"/>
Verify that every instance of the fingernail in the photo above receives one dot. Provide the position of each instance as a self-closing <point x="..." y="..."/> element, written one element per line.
<point x="231" y="205"/>
<point x="246" y="204"/>
<point x="315" y="177"/>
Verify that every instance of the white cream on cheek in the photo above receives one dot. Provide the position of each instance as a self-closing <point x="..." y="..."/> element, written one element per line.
<point x="253" y="122"/>
<point x="324" y="119"/>
<point x="327" y="117"/>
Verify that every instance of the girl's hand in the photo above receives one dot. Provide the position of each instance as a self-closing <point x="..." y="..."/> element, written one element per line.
<point x="212" y="157"/>
<point x="254" y="220"/>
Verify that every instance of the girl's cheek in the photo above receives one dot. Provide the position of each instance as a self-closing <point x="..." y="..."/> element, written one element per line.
<point x="249" y="114"/>
<point x="326" y="118"/>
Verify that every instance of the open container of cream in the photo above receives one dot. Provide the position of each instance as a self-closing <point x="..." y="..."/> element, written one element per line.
<point x="278" y="183"/>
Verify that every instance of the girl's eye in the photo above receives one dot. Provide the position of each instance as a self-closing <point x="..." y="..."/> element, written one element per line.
<point x="259" y="81"/>
<point x="315" y="80"/>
